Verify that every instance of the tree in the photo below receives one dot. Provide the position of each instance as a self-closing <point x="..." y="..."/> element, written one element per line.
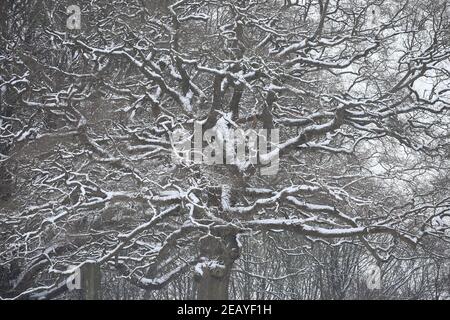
<point x="361" y="104"/>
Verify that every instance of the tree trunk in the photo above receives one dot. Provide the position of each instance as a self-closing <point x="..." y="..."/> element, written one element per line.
<point x="213" y="273"/>
<point x="91" y="281"/>
<point x="211" y="287"/>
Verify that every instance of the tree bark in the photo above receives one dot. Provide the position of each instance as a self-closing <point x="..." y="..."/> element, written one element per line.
<point x="213" y="273"/>
<point x="91" y="281"/>
<point x="211" y="287"/>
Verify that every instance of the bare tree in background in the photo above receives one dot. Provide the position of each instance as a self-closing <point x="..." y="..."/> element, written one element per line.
<point x="358" y="89"/>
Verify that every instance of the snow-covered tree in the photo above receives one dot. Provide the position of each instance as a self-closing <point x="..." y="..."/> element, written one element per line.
<point x="358" y="91"/>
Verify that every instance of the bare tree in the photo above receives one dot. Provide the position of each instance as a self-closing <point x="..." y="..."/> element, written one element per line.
<point x="357" y="89"/>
